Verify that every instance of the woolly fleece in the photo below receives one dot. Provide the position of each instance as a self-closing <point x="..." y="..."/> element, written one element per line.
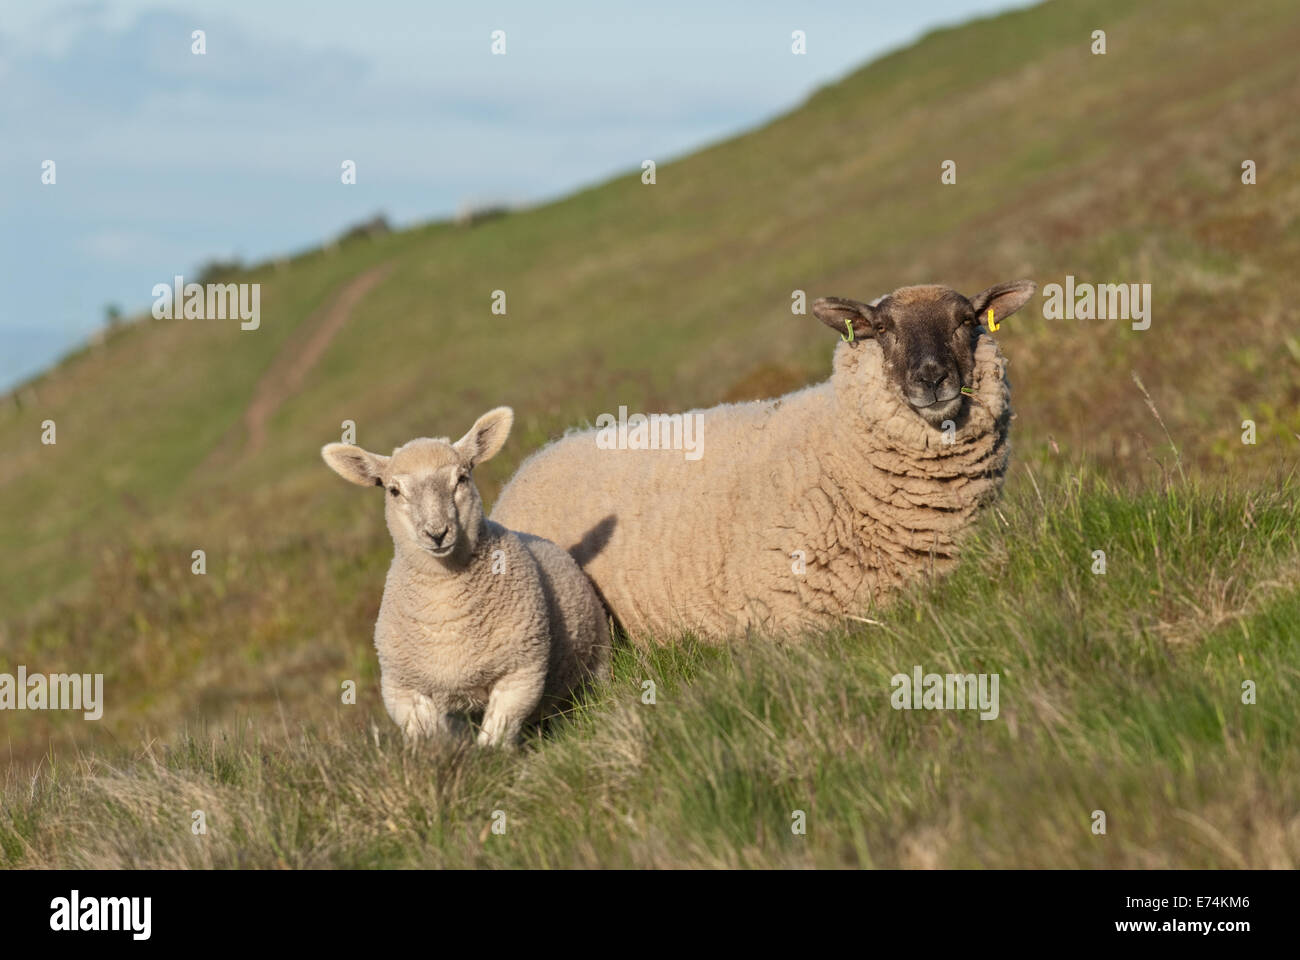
<point x="843" y="471"/>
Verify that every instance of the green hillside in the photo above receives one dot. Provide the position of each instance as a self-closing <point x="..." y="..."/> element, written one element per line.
<point x="180" y="435"/>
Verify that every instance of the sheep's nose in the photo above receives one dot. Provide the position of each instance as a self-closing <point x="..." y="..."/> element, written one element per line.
<point x="930" y="372"/>
<point x="437" y="536"/>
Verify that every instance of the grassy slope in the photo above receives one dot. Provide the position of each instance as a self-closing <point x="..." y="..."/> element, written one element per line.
<point x="1118" y="692"/>
<point x="1115" y="168"/>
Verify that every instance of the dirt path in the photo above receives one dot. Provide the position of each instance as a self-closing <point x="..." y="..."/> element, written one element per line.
<point x="301" y="353"/>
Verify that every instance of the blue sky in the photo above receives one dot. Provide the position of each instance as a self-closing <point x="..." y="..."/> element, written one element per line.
<point x="166" y="159"/>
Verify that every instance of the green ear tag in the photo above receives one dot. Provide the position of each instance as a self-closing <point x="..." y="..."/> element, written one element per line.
<point x="849" y="327"/>
<point x="967" y="392"/>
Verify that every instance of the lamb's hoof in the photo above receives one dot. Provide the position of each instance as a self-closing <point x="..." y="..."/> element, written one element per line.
<point x="422" y="720"/>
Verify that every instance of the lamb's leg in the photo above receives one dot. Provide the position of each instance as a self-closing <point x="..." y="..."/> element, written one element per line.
<point x="512" y="701"/>
<point x="416" y="714"/>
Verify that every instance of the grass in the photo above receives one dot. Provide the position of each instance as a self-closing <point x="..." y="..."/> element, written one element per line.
<point x="1119" y="692"/>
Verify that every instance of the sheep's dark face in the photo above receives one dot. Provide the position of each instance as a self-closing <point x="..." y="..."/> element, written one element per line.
<point x="927" y="335"/>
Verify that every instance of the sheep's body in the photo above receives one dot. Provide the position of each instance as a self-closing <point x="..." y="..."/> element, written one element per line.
<point x="519" y="623"/>
<point x="843" y="471"/>
<point x="474" y="616"/>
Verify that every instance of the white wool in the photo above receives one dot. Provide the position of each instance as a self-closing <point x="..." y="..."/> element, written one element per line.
<point x="494" y="620"/>
<point x="843" y="473"/>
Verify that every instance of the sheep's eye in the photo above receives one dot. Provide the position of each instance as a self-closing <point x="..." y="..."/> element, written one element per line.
<point x="394" y="491"/>
<point x="464" y="477"/>
<point x="880" y="328"/>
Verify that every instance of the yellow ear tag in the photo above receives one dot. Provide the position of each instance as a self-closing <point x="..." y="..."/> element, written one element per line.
<point x="849" y="327"/>
<point x="993" y="324"/>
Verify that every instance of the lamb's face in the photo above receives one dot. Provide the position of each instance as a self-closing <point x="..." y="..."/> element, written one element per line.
<point x="432" y="505"/>
<point x="927" y="335"/>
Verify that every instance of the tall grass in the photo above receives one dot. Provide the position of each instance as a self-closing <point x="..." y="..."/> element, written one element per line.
<point x="1119" y="692"/>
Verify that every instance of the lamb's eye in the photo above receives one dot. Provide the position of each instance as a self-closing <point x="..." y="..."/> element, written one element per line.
<point x="394" y="491"/>
<point x="880" y="328"/>
<point x="462" y="479"/>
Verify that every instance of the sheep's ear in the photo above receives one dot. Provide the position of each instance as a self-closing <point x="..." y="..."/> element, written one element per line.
<point x="359" y="466"/>
<point x="487" y="436"/>
<point x="835" y="312"/>
<point x="1005" y="299"/>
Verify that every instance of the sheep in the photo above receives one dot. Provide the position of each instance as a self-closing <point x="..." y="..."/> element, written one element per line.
<point x="474" y="616"/>
<point x="802" y="510"/>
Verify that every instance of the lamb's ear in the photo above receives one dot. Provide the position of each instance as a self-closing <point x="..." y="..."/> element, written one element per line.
<point x="359" y="466"/>
<point x="835" y="311"/>
<point x="1005" y="299"/>
<point x="487" y="436"/>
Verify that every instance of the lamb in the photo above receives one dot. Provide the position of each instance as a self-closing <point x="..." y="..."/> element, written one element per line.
<point x="474" y="616"/>
<point x="804" y="509"/>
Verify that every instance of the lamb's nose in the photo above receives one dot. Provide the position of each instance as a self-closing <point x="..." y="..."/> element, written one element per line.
<point x="930" y="372"/>
<point x="437" y="536"/>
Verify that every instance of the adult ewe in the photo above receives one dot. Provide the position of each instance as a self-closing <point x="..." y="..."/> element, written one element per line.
<point x="802" y="509"/>
<point x="474" y="617"/>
